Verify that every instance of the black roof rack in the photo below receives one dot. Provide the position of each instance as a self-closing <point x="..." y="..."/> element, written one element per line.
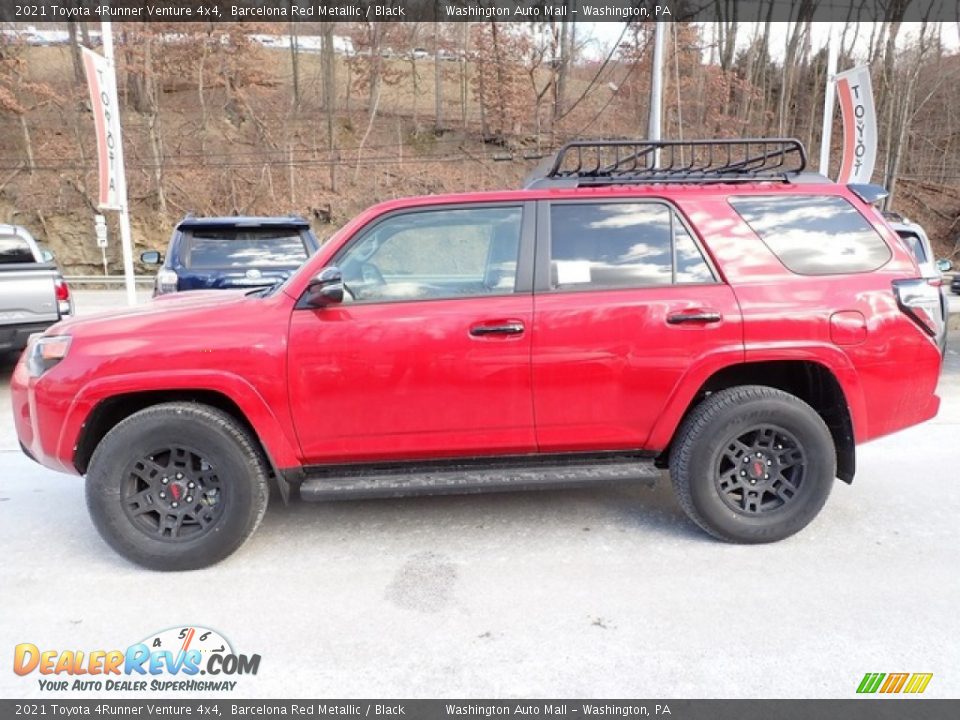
<point x="627" y="162"/>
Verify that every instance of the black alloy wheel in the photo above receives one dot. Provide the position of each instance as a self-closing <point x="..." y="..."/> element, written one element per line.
<point x="760" y="470"/>
<point x="173" y="494"/>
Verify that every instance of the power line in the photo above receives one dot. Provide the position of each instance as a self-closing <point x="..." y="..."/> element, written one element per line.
<point x="251" y="153"/>
<point x="303" y="162"/>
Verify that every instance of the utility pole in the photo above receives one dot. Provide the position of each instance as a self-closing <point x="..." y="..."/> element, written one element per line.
<point x="126" y="240"/>
<point x="828" y="100"/>
<point x="656" y="89"/>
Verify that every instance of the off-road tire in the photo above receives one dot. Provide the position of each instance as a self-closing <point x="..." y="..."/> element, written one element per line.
<point x="711" y="427"/>
<point x="240" y="475"/>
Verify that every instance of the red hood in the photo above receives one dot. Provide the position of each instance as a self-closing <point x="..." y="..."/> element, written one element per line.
<point x="159" y="308"/>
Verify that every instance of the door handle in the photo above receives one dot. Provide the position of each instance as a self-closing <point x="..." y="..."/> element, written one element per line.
<point x="507" y="328"/>
<point x="700" y="317"/>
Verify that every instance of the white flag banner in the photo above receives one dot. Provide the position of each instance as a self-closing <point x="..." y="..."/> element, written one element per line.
<point x="859" y="125"/>
<point x="106" y="117"/>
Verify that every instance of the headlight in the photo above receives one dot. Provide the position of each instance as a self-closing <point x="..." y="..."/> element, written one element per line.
<point x="45" y="352"/>
<point x="167" y="281"/>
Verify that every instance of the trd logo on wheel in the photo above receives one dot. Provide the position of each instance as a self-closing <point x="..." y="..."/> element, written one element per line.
<point x="910" y="683"/>
<point x="186" y="650"/>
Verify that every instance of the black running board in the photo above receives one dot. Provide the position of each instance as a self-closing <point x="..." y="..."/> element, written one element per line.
<point x="475" y="476"/>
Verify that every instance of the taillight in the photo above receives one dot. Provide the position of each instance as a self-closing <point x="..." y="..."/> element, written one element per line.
<point x="167" y="281"/>
<point x="64" y="303"/>
<point x="920" y="300"/>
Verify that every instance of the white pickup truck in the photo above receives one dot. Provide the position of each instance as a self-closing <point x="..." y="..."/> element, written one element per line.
<point x="33" y="293"/>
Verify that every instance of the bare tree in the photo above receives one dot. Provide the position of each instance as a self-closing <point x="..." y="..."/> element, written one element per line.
<point x="328" y="62"/>
<point x="295" y="60"/>
<point x="437" y="80"/>
<point x="75" y="55"/>
<point x="561" y="63"/>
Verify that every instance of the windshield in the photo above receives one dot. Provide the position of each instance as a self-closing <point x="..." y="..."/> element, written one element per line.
<point x="267" y="291"/>
<point x="248" y="248"/>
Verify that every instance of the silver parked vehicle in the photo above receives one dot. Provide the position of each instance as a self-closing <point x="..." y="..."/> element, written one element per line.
<point x="33" y="293"/>
<point x="917" y="242"/>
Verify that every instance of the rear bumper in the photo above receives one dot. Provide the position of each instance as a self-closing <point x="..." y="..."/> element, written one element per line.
<point x="901" y="393"/>
<point x="14" y="337"/>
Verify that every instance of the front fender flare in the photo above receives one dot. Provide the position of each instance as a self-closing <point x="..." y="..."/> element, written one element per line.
<point x="276" y="441"/>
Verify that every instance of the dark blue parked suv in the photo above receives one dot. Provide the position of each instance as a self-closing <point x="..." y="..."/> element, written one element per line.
<point x="231" y="252"/>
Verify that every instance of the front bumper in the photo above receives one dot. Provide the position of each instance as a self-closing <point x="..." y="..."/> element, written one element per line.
<point x="26" y="451"/>
<point x="37" y="419"/>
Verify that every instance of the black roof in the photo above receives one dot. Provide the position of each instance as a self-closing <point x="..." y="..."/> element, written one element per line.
<point x="237" y="221"/>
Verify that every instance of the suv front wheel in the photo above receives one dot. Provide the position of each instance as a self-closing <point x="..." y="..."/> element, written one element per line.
<point x="752" y="464"/>
<point x="177" y="486"/>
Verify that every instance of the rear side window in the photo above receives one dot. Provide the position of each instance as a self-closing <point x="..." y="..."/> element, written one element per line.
<point x="219" y="249"/>
<point x="814" y="235"/>
<point x="611" y="245"/>
<point x="14" y="249"/>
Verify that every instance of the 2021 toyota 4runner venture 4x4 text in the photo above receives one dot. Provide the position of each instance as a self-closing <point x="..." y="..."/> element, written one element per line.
<point x="728" y="316"/>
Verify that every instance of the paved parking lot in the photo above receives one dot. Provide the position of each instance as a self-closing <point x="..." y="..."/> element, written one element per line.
<point x="599" y="592"/>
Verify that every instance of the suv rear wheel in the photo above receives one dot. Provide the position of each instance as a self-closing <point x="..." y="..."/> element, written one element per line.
<point x="752" y="464"/>
<point x="177" y="486"/>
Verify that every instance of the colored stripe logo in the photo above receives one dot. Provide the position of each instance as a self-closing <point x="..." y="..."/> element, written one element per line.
<point x="884" y="683"/>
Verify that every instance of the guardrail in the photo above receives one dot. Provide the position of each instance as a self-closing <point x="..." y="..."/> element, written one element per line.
<point x="107" y="279"/>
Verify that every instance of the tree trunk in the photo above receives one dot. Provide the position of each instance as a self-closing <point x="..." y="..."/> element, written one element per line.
<point x="727" y="33"/>
<point x="292" y="177"/>
<point x="376" y="69"/>
<point x="27" y="141"/>
<point x="363" y="141"/>
<point x="295" y="61"/>
<point x="328" y="61"/>
<point x="156" y="149"/>
<point x="437" y="81"/>
<point x="907" y="87"/>
<point x="415" y="83"/>
<point x="153" y="89"/>
<point x="201" y="98"/>
<point x="501" y="82"/>
<point x="464" y="77"/>
<point x="560" y="72"/>
<point x="75" y="55"/>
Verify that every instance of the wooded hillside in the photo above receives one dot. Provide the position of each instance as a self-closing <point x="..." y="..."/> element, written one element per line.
<point x="215" y="122"/>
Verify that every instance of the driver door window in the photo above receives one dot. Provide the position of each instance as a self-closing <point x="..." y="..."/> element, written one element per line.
<point x="435" y="254"/>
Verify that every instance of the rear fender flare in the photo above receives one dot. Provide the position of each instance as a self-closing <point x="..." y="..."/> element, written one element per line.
<point x="831" y="358"/>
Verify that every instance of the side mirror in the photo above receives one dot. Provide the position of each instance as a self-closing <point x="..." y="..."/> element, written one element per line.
<point x="326" y="288"/>
<point x="151" y="257"/>
<point x="46" y="256"/>
<point x="944" y="265"/>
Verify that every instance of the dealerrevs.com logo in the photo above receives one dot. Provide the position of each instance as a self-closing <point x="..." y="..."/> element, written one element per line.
<point x="171" y="660"/>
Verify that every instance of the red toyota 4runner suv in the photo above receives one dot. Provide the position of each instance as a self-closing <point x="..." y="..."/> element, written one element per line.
<point x="703" y="306"/>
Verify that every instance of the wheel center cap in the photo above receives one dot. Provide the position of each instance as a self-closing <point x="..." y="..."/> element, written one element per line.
<point x="757" y="468"/>
<point x="177" y="491"/>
